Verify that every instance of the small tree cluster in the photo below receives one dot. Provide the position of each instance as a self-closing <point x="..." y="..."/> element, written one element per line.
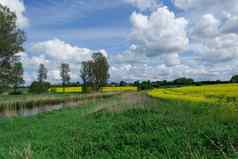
<point x="234" y="79"/>
<point x="144" y="85"/>
<point x="184" y="81"/>
<point x="95" y="72"/>
<point x="40" y="86"/>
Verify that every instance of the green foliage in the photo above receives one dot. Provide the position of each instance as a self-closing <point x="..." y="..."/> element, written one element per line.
<point x="234" y="79"/>
<point x="39" y="87"/>
<point x="65" y="74"/>
<point x="144" y="85"/>
<point x="87" y="75"/>
<point x="123" y="83"/>
<point x="118" y="128"/>
<point x="17" y="77"/>
<point x="100" y="70"/>
<point x="26" y="153"/>
<point x="184" y="81"/>
<point x="95" y="72"/>
<point x="42" y="73"/>
<point x="11" y="43"/>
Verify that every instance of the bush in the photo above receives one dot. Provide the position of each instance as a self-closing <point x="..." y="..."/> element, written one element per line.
<point x="184" y="81"/>
<point x="16" y="93"/>
<point x="39" y="87"/>
<point x="234" y="79"/>
<point x="144" y="85"/>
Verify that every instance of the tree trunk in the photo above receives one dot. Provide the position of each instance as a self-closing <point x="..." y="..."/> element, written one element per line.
<point x="15" y="88"/>
<point x="64" y="88"/>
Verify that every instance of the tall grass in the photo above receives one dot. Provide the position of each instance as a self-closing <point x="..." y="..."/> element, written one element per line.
<point x="127" y="126"/>
<point x="31" y="101"/>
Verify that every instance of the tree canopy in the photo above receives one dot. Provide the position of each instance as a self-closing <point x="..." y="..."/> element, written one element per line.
<point x="184" y="81"/>
<point x="11" y="43"/>
<point x="42" y="73"/>
<point x="234" y="79"/>
<point x="96" y="71"/>
<point x="65" y="74"/>
<point x="100" y="70"/>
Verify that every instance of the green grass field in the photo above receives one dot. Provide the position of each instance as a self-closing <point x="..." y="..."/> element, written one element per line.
<point x="131" y="125"/>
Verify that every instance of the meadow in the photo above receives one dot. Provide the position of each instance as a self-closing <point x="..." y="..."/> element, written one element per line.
<point x="130" y="125"/>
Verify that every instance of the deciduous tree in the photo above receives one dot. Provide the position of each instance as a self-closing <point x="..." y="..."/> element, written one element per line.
<point x="17" y="76"/>
<point x="87" y="74"/>
<point x="65" y="74"/>
<point x="100" y="70"/>
<point x="11" y="43"/>
<point x="95" y="71"/>
<point x="42" y="73"/>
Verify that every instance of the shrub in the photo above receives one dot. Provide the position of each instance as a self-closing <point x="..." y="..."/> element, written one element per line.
<point x="16" y="93"/>
<point x="184" y="81"/>
<point x="39" y="87"/>
<point x="144" y="85"/>
<point x="234" y="79"/>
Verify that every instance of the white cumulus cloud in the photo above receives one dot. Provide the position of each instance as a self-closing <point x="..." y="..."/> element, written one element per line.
<point x="144" y="4"/>
<point x="160" y="33"/>
<point x="52" y="53"/>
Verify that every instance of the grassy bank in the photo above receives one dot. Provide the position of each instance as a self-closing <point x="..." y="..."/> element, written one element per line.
<point x="30" y="101"/>
<point x="127" y="126"/>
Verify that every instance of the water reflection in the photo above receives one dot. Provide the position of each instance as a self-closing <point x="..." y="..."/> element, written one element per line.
<point x="23" y="111"/>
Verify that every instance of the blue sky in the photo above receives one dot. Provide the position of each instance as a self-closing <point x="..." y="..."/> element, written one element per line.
<point x="92" y="24"/>
<point x="142" y="39"/>
<point x="80" y="23"/>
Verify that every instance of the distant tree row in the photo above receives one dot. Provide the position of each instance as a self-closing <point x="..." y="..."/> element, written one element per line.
<point x="94" y="74"/>
<point x="42" y="85"/>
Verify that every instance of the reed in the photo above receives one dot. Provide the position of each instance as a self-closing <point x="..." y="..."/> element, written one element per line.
<point x="47" y="100"/>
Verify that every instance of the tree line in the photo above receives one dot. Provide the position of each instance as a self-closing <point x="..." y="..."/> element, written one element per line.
<point x="94" y="74"/>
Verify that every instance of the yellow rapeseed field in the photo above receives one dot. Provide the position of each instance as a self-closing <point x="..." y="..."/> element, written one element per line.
<point x="67" y="90"/>
<point x="221" y="93"/>
<point x="119" y="88"/>
<point x="104" y="89"/>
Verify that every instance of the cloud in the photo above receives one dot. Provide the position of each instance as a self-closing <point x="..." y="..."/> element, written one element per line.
<point x="199" y="40"/>
<point x="231" y="24"/>
<point x="207" y="27"/>
<point x="207" y="6"/>
<point x="61" y="51"/>
<point x="18" y="7"/>
<point x="160" y="33"/>
<point x="52" y="53"/>
<point x="219" y="49"/>
<point x="144" y="4"/>
<point x="200" y="44"/>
